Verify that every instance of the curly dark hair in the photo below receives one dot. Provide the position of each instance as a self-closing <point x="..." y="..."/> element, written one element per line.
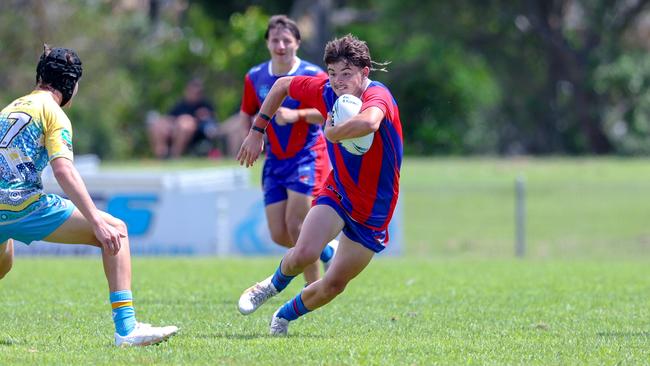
<point x="350" y="49"/>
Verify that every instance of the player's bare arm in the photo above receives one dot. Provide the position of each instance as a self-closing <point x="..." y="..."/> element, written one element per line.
<point x="362" y="124"/>
<point x="284" y="116"/>
<point x="252" y="146"/>
<point x="245" y="119"/>
<point x="73" y="186"/>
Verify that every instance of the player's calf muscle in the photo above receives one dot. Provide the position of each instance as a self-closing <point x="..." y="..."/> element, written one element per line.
<point x="6" y="258"/>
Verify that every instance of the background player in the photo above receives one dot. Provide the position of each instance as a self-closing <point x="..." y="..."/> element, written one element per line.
<point x="34" y="131"/>
<point x="296" y="162"/>
<point x="360" y="194"/>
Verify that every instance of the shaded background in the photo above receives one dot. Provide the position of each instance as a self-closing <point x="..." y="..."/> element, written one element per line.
<point x="488" y="77"/>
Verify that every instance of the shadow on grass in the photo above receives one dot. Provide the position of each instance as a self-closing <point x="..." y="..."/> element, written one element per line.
<point x="616" y="334"/>
<point x="249" y="336"/>
<point x="8" y="342"/>
<point x="194" y="302"/>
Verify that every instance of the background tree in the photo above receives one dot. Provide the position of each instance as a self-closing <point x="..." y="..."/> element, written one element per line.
<point x="498" y="77"/>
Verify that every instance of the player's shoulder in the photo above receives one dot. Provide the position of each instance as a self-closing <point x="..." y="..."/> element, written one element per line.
<point x="377" y="94"/>
<point x="378" y="86"/>
<point x="259" y="69"/>
<point x="378" y="89"/>
<point x="309" y="69"/>
<point x="32" y="103"/>
<point x="312" y="81"/>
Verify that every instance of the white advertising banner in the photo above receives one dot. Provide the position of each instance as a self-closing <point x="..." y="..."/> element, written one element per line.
<point x="189" y="212"/>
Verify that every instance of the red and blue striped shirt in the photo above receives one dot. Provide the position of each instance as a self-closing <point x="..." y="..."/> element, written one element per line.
<point x="368" y="184"/>
<point x="284" y="141"/>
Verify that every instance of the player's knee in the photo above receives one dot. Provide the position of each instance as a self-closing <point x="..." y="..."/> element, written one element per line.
<point x="304" y="255"/>
<point x="280" y="236"/>
<point x="121" y="226"/>
<point x="293" y="228"/>
<point x="333" y="287"/>
<point x="282" y="239"/>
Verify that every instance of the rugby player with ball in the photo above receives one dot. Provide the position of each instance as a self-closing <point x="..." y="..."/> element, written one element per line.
<point x="359" y="195"/>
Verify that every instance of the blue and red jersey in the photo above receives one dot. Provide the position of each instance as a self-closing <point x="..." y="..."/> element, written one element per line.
<point x="288" y="140"/>
<point x="366" y="185"/>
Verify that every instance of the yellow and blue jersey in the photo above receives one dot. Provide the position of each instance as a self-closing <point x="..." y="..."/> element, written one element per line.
<point x="34" y="130"/>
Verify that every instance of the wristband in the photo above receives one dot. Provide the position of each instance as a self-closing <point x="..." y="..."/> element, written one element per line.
<point x="265" y="117"/>
<point x="261" y="121"/>
<point x="258" y="129"/>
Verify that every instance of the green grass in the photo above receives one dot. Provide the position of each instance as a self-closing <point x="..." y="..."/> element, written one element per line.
<point x="576" y="208"/>
<point x="398" y="312"/>
<point x="457" y="297"/>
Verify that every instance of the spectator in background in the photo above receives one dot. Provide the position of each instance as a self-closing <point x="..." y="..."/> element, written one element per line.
<point x="189" y="122"/>
<point x="231" y="133"/>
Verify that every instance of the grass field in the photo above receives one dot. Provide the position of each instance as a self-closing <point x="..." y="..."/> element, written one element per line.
<point x="398" y="312"/>
<point x="457" y="296"/>
<point x="576" y="208"/>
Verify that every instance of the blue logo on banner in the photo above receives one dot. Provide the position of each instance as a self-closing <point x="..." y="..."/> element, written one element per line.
<point x="136" y="210"/>
<point x="248" y="238"/>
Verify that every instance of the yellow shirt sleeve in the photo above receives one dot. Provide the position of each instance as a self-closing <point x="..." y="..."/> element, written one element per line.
<point x="58" y="132"/>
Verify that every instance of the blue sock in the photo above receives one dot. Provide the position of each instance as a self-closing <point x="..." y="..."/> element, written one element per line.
<point x="123" y="311"/>
<point x="293" y="309"/>
<point x="279" y="280"/>
<point x="327" y="253"/>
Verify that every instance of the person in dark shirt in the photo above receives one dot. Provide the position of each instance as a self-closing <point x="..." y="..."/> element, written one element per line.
<point x="189" y="121"/>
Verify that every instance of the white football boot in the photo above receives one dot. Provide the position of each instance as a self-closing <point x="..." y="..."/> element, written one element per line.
<point x="144" y="335"/>
<point x="278" y="326"/>
<point x="256" y="295"/>
<point x="335" y="245"/>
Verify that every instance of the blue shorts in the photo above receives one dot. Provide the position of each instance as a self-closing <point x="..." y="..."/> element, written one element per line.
<point x="301" y="174"/>
<point x="54" y="211"/>
<point x="374" y="240"/>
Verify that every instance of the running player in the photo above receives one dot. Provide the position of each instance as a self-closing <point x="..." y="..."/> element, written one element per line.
<point x="360" y="194"/>
<point x="34" y="131"/>
<point x="296" y="162"/>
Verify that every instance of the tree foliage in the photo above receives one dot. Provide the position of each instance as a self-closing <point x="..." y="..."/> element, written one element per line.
<point x="537" y="76"/>
<point x="546" y="64"/>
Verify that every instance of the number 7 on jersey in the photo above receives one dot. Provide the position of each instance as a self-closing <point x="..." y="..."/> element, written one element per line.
<point x="21" y="119"/>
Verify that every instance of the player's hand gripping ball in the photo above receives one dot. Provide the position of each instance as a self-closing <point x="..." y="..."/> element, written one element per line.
<point x="346" y="107"/>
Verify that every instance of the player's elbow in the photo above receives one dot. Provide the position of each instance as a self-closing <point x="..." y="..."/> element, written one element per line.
<point x="281" y="86"/>
<point x="284" y="81"/>
<point x="372" y="125"/>
<point x="364" y="127"/>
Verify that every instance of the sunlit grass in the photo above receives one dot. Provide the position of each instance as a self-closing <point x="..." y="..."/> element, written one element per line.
<point x="397" y="312"/>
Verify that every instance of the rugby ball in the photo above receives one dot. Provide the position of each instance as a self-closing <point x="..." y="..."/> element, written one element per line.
<point x="346" y="107"/>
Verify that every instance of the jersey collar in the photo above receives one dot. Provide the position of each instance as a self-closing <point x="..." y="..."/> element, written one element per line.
<point x="296" y="64"/>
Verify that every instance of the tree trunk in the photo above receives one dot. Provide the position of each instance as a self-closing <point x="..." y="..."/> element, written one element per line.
<point x="571" y="64"/>
<point x="313" y="20"/>
<point x="585" y="101"/>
